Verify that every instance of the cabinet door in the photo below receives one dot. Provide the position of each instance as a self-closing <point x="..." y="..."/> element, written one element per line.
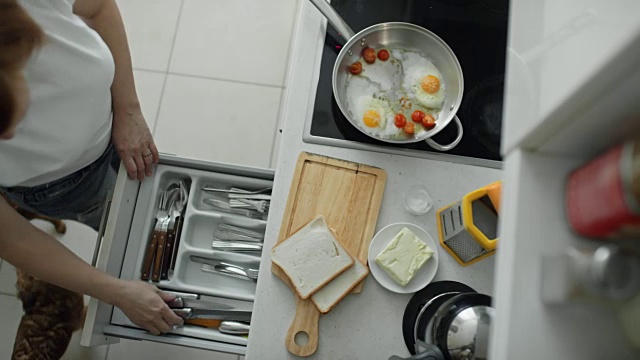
<point x="572" y="75"/>
<point x="532" y="226"/>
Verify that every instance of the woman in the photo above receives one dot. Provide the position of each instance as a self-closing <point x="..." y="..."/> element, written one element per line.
<point x="66" y="95"/>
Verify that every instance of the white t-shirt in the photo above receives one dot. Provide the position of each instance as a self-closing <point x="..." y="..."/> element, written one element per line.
<point x="68" y="122"/>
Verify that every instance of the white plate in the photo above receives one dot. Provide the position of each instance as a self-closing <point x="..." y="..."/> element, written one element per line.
<point x="424" y="275"/>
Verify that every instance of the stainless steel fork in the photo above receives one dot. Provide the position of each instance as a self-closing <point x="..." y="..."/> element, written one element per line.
<point x="261" y="205"/>
<point x="231" y="270"/>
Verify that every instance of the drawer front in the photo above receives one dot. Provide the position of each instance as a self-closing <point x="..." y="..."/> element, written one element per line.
<point x="128" y="226"/>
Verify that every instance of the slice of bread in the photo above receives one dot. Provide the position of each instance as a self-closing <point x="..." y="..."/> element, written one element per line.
<point x="311" y="257"/>
<point x="331" y="294"/>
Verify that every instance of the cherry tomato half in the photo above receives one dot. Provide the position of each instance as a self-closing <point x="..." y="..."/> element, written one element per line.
<point x="417" y="116"/>
<point x="369" y="55"/>
<point x="409" y="128"/>
<point x="400" y="121"/>
<point x="383" y="55"/>
<point x="356" y="68"/>
<point x="428" y="122"/>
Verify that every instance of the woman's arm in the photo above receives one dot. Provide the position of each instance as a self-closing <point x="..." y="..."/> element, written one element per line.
<point x="39" y="254"/>
<point x="131" y="134"/>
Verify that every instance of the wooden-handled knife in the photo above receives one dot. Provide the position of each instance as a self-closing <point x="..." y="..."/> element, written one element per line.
<point x="149" y="255"/>
<point x="162" y="238"/>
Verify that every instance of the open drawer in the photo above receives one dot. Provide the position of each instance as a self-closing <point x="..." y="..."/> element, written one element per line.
<point x="127" y="229"/>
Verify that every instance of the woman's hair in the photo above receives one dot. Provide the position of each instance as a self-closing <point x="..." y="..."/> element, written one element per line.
<point x="19" y="36"/>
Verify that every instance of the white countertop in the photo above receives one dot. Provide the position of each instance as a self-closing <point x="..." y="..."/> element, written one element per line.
<point x="367" y="325"/>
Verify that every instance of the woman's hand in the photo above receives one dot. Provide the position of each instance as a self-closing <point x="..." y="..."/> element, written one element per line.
<point x="134" y="143"/>
<point x="146" y="306"/>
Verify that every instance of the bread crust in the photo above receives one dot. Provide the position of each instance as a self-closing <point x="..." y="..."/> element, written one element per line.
<point x="344" y="294"/>
<point x="340" y="271"/>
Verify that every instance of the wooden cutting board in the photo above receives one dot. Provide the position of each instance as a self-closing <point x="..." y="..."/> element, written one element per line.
<point x="348" y="195"/>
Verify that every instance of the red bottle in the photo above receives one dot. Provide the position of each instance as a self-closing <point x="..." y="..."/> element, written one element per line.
<point x="603" y="196"/>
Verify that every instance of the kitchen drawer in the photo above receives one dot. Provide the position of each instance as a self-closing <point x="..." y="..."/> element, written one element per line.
<point x="126" y="230"/>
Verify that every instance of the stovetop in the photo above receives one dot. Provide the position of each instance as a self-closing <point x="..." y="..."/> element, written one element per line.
<point x="476" y="31"/>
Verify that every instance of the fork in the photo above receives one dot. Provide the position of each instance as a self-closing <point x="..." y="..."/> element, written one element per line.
<point x="182" y="202"/>
<point x="236" y="190"/>
<point x="231" y="270"/>
<point x="260" y="205"/>
<point x="157" y="234"/>
<point x="175" y="205"/>
<point x="160" y="231"/>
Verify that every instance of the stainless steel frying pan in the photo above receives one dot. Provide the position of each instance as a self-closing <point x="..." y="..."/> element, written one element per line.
<point x="398" y="35"/>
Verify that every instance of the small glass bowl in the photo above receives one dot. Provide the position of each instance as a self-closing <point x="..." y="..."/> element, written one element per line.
<point x="417" y="200"/>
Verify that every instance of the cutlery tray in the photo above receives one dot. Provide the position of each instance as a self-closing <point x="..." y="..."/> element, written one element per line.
<point x="200" y="223"/>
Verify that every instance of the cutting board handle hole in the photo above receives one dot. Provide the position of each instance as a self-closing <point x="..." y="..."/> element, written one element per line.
<point x="301" y="338"/>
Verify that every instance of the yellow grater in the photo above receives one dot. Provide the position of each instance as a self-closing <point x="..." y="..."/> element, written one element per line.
<point x="468" y="228"/>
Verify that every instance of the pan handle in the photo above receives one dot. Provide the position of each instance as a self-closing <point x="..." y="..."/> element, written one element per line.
<point x="455" y="142"/>
<point x="336" y="21"/>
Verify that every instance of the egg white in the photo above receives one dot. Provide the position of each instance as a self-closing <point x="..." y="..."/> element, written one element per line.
<point x="366" y="103"/>
<point x="416" y="67"/>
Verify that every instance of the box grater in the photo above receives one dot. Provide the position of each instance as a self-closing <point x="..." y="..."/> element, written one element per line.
<point x="468" y="228"/>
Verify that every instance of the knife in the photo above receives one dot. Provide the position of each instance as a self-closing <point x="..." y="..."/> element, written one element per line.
<point x="250" y="196"/>
<point x="186" y="302"/>
<point x="228" y="327"/>
<point x="215" y="314"/>
<point x="202" y="309"/>
<point x="223" y="235"/>
<point x="148" y="257"/>
<point x="235" y="246"/>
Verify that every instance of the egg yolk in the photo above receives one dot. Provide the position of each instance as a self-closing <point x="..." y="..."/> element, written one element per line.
<point x="430" y="84"/>
<point x="371" y="118"/>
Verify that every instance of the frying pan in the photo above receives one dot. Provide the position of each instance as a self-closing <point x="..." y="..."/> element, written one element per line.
<point x="397" y="35"/>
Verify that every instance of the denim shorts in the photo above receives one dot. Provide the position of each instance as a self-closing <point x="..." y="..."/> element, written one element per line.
<point x="80" y="196"/>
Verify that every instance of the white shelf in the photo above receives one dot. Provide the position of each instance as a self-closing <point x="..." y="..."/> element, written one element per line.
<point x="533" y="224"/>
<point x="573" y="75"/>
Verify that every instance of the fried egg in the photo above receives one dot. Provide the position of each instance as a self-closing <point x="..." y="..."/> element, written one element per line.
<point x="422" y="80"/>
<point x="369" y="108"/>
<point x="372" y="114"/>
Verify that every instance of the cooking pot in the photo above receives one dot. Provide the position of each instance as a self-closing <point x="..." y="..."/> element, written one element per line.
<point x="459" y="329"/>
<point x="397" y="35"/>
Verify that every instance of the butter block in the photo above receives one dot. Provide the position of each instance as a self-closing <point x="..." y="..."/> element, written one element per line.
<point x="404" y="256"/>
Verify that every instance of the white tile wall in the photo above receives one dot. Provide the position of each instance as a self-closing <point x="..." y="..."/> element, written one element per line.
<point x="241" y="40"/>
<point x="218" y="120"/>
<point x="151" y="27"/>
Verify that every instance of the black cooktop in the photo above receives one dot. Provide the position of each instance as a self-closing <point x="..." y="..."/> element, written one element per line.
<point x="476" y="31"/>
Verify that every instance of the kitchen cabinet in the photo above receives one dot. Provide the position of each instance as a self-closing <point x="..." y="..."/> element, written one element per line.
<point x="125" y="232"/>
<point x="573" y="91"/>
